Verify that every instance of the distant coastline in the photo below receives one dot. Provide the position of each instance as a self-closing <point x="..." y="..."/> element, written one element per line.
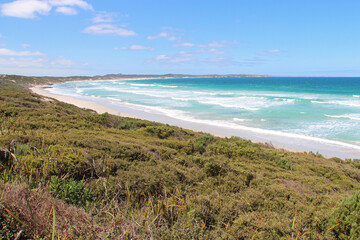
<point x="31" y="81"/>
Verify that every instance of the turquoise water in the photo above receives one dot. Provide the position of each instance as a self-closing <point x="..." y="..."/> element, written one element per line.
<point x="327" y="108"/>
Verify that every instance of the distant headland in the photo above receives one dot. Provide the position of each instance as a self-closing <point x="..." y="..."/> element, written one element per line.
<point x="32" y="80"/>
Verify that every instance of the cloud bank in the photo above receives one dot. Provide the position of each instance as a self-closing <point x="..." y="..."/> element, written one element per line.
<point x="108" y="29"/>
<point x="33" y="8"/>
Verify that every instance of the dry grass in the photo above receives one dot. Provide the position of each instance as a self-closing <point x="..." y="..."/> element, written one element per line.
<point x="34" y="215"/>
<point x="34" y="208"/>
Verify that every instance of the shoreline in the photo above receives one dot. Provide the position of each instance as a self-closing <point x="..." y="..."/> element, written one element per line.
<point x="288" y="142"/>
<point x="78" y="102"/>
<point x="100" y="109"/>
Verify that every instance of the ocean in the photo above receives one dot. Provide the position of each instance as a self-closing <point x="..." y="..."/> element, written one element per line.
<point x="318" y="107"/>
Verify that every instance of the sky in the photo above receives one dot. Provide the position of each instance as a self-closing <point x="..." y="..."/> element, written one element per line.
<point x="96" y="37"/>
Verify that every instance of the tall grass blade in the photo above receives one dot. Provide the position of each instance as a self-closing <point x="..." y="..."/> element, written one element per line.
<point x="2" y="195"/>
<point x="30" y="209"/>
<point x="54" y="223"/>
<point x="14" y="216"/>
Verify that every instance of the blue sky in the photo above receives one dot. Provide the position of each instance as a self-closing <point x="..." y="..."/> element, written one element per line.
<point x="275" y="37"/>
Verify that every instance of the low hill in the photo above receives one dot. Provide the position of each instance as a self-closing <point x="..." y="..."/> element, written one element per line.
<point x="31" y="81"/>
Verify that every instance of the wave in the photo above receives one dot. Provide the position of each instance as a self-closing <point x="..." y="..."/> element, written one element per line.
<point x="228" y="105"/>
<point x="156" y="94"/>
<point x="319" y="102"/>
<point x="241" y="119"/>
<point x="142" y="85"/>
<point x="285" y="99"/>
<point x="166" y="86"/>
<point x="152" y="85"/>
<point x="204" y="93"/>
<point x="244" y="102"/>
<point x="348" y="116"/>
<point x="249" y="103"/>
<point x="181" y="99"/>
<point x="349" y="103"/>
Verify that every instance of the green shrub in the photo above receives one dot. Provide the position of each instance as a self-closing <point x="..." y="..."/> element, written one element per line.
<point x="127" y="125"/>
<point x="213" y="168"/>
<point x="63" y="160"/>
<point x="71" y="191"/>
<point x="162" y="131"/>
<point x="22" y="149"/>
<point x="345" y="219"/>
<point x="57" y="160"/>
<point x="284" y="163"/>
<point x="201" y="142"/>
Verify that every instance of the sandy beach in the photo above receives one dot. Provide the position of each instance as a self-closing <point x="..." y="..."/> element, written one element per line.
<point x="289" y="142"/>
<point x="78" y="102"/>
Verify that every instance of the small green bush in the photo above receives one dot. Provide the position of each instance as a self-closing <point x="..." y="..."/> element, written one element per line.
<point x="162" y="131"/>
<point x="284" y="163"/>
<point x="71" y="191"/>
<point x="201" y="142"/>
<point x="22" y="149"/>
<point x="345" y="220"/>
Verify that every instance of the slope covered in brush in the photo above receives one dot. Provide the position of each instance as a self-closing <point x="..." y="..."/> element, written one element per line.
<point x="131" y="179"/>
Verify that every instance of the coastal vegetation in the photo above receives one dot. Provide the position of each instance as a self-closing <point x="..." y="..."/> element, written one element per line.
<point x="70" y="173"/>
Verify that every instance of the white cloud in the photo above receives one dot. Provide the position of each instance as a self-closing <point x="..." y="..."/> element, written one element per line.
<point x="36" y="63"/>
<point x="62" y="62"/>
<point x="104" y="17"/>
<point x="167" y="35"/>
<point x="31" y="59"/>
<point x="181" y="57"/>
<point x="102" y="29"/>
<point x="30" y="8"/>
<point x="272" y="51"/>
<point x="25" y="8"/>
<point x="21" y="62"/>
<point x="79" y="3"/>
<point x="40" y="62"/>
<point x="8" y="52"/>
<point x="187" y="44"/>
<point x="221" y="61"/>
<point x="221" y="44"/>
<point x="211" y="50"/>
<point x="25" y="45"/>
<point x="213" y="44"/>
<point x="161" y="57"/>
<point x="66" y="10"/>
<point x="136" y="47"/>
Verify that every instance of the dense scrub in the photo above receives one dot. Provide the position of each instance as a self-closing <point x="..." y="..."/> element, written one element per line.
<point x="133" y="179"/>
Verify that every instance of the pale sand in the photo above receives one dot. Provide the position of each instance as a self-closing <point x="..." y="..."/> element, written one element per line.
<point x="79" y="103"/>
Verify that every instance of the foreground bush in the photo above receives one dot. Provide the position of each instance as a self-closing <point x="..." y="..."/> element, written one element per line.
<point x="345" y="220"/>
